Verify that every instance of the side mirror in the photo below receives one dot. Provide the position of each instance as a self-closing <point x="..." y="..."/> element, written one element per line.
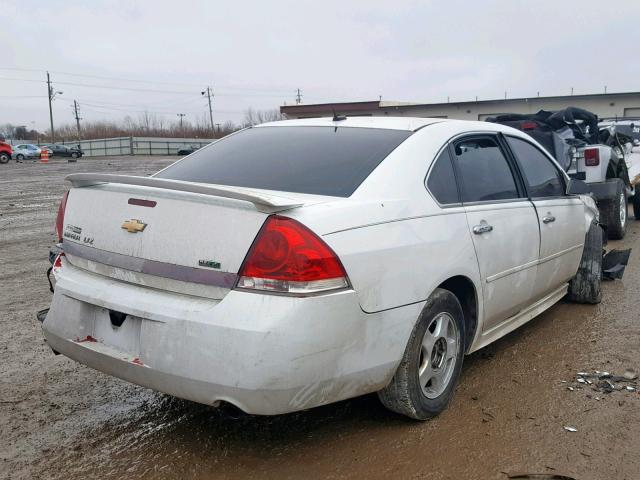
<point x="577" y="187"/>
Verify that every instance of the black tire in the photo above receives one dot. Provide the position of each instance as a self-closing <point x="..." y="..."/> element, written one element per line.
<point x="20" y="157"/>
<point x="74" y="155"/>
<point x="636" y="202"/>
<point x="613" y="212"/>
<point x="4" y="157"/>
<point x="585" y="287"/>
<point x="404" y="394"/>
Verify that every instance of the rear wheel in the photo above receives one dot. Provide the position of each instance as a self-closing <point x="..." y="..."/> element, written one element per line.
<point x="636" y="202"/>
<point x="4" y="157"/>
<point x="426" y="378"/>
<point x="585" y="287"/>
<point x="614" y="212"/>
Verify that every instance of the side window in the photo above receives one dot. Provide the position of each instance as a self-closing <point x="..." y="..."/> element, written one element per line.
<point x="542" y="176"/>
<point x="442" y="181"/>
<point x="484" y="171"/>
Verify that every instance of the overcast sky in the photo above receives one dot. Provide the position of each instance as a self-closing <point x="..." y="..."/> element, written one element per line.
<point x="256" y="54"/>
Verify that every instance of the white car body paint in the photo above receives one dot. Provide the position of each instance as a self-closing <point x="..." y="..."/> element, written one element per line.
<point x="193" y="336"/>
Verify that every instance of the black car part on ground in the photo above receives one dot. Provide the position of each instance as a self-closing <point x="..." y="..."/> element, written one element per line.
<point x="614" y="262"/>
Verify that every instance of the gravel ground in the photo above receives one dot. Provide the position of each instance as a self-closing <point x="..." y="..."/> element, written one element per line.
<point x="59" y="419"/>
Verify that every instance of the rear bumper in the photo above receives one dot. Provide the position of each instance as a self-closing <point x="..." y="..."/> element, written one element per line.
<point x="265" y="354"/>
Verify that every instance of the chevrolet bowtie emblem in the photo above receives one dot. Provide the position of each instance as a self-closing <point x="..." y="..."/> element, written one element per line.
<point x="134" y="225"/>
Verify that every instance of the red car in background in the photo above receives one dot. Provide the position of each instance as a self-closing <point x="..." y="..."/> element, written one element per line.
<point x="5" y="152"/>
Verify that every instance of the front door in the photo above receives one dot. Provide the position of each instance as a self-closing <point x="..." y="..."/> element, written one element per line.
<point x="560" y="217"/>
<point x="502" y="223"/>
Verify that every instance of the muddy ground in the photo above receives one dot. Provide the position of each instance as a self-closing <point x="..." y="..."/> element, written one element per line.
<point x="59" y="419"/>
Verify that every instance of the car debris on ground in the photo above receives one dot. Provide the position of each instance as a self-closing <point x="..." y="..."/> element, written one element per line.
<point x="539" y="476"/>
<point x="606" y="382"/>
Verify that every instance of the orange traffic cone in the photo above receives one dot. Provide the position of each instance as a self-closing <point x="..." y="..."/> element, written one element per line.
<point x="44" y="156"/>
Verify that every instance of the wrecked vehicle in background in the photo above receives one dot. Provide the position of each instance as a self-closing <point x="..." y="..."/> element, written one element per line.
<point x="586" y="152"/>
<point x="628" y="130"/>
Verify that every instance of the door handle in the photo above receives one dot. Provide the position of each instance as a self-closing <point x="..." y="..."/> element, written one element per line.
<point x="484" y="227"/>
<point x="548" y="218"/>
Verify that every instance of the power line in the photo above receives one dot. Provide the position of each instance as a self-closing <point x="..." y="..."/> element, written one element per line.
<point x="148" y="90"/>
<point x="23" y="96"/>
<point x="128" y="110"/>
<point x="181" y="102"/>
<point x="102" y="77"/>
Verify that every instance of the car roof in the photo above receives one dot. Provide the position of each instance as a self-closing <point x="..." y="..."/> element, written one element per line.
<point x="391" y="123"/>
<point x="399" y="123"/>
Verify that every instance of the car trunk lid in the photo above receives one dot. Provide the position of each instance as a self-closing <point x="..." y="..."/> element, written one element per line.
<point x="172" y="235"/>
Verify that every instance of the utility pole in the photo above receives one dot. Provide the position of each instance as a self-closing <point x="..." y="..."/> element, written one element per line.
<point x="299" y="97"/>
<point x="75" y="114"/>
<point x="51" y="95"/>
<point x="208" y="93"/>
<point x="181" y="115"/>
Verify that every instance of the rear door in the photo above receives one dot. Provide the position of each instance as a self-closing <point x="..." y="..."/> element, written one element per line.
<point x="502" y="223"/>
<point x="560" y="216"/>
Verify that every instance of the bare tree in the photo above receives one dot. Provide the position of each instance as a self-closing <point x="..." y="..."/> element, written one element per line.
<point x="17" y="132"/>
<point x="146" y="124"/>
<point x="256" y="117"/>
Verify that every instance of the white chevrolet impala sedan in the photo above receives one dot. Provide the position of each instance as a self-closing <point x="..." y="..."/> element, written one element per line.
<point x="302" y="262"/>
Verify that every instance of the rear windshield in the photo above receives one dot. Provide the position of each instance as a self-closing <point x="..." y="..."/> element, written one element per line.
<point x="318" y="160"/>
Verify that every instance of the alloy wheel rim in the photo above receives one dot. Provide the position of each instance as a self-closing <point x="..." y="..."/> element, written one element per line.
<point x="438" y="355"/>
<point x="623" y="209"/>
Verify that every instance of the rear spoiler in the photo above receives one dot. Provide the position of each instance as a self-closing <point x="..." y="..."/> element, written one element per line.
<point x="257" y="197"/>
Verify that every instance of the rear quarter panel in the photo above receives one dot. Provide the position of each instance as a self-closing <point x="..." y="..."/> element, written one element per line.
<point x="395" y="242"/>
<point x="402" y="262"/>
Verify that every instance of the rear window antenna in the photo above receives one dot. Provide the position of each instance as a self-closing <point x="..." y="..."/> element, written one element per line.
<point x="336" y="117"/>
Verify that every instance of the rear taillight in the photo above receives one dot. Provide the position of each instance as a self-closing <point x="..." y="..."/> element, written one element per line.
<point x="60" y="217"/>
<point x="529" y="125"/>
<point x="57" y="264"/>
<point x="591" y="157"/>
<point x="287" y="257"/>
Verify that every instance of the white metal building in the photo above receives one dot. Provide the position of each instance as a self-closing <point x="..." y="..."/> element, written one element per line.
<point x="604" y="105"/>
